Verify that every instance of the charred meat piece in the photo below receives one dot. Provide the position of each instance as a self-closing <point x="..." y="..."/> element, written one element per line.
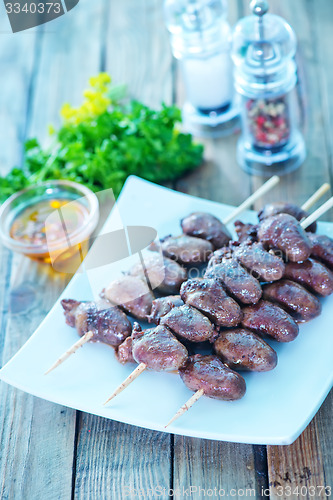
<point x="246" y="232"/>
<point x="158" y="348"/>
<point x="186" y="249"/>
<point x="70" y="307"/>
<point x="322" y="249"/>
<point x="219" y="256"/>
<point x="209" y="296"/>
<point x="214" y="377"/>
<point x="124" y="352"/>
<point x="300" y="303"/>
<point x="265" y="265"/>
<point x="164" y="274"/>
<point x="242" y="349"/>
<point x="286" y="208"/>
<point x="162" y="306"/>
<point x="188" y="323"/>
<point x="312" y="275"/>
<point x="208" y="227"/>
<point x="284" y="232"/>
<point x="110" y="325"/>
<point x="132" y="294"/>
<point x="238" y="282"/>
<point x="269" y="319"/>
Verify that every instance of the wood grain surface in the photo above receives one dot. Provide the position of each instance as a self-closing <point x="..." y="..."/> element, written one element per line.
<point x="51" y="452"/>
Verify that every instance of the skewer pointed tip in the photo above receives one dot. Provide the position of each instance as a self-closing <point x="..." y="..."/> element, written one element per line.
<point x="193" y="399"/>
<point x="135" y="373"/>
<point x="83" y="340"/>
<point x="51" y="368"/>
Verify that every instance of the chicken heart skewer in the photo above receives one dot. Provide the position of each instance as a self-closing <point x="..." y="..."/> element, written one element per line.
<point x="252" y="255"/>
<point x="187" y="322"/>
<point x="304" y="224"/>
<point x="208" y="375"/>
<point x="94" y="321"/>
<point x="177" y="315"/>
<point x="285" y="233"/>
<point x="130" y="294"/>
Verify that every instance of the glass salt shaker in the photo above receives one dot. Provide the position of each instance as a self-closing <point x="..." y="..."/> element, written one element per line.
<point x="263" y="51"/>
<point x="201" y="41"/>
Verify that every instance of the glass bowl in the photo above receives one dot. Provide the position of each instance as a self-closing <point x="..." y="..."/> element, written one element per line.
<point x="70" y="242"/>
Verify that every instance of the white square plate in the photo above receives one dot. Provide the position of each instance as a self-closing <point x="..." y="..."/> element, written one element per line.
<point x="277" y="406"/>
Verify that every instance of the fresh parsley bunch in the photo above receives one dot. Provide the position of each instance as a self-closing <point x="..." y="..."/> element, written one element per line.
<point x="104" y="141"/>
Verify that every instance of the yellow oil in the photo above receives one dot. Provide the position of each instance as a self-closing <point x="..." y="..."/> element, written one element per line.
<point x="31" y="226"/>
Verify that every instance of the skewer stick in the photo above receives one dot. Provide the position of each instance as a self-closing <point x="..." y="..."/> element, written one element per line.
<point x="273" y="181"/>
<point x="83" y="340"/>
<point x="135" y="373"/>
<point x="316" y="196"/>
<point x="197" y="395"/>
<point x="317" y="213"/>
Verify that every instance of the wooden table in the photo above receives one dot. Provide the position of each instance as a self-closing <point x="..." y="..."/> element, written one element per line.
<point x="51" y="452"/>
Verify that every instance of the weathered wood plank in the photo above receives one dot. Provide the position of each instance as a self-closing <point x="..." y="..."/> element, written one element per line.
<point x="322" y="18"/>
<point x="323" y="421"/>
<point x="68" y="57"/>
<point x="120" y="461"/>
<point x="112" y="456"/>
<point x="205" y="465"/>
<point x="37" y="437"/>
<point x="5" y="272"/>
<point x="22" y="450"/>
<point x="137" y="50"/>
<point x="299" y="469"/>
<point x="16" y="68"/>
<point x="321" y="15"/>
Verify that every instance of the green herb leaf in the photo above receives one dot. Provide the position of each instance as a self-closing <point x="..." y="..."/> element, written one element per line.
<point x="103" y="149"/>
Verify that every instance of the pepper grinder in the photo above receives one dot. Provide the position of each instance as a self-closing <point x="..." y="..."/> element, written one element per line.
<point x="201" y="40"/>
<point x="263" y="50"/>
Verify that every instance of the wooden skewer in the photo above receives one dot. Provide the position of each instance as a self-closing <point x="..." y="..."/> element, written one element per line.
<point x="83" y="340"/>
<point x="193" y="399"/>
<point x="317" y="213"/>
<point x="135" y="373"/>
<point x="316" y="196"/>
<point x="272" y="182"/>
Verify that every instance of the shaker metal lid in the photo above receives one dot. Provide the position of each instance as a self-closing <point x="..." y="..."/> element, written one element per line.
<point x="262" y="43"/>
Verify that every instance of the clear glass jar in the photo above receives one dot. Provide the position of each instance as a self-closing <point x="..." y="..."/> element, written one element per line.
<point x="201" y="41"/>
<point x="263" y="51"/>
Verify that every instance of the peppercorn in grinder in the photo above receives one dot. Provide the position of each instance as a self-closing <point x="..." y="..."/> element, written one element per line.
<point x="263" y="50"/>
